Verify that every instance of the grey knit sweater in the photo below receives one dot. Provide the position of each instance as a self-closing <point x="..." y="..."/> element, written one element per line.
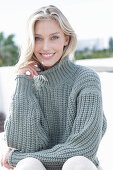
<point x="56" y="115"/>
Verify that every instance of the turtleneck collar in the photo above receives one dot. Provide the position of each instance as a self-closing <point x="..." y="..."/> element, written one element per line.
<point x="57" y="74"/>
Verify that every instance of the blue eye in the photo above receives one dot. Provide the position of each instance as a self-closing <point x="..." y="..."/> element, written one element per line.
<point x="37" y="38"/>
<point x="54" y="37"/>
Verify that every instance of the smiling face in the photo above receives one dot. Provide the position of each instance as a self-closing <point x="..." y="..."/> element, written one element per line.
<point x="49" y="42"/>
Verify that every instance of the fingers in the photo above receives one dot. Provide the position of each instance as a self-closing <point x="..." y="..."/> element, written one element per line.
<point x="4" y="159"/>
<point x="5" y="163"/>
<point x="1" y="161"/>
<point x="32" y="70"/>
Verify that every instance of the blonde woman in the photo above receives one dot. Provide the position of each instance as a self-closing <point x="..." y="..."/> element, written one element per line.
<point x="56" y="119"/>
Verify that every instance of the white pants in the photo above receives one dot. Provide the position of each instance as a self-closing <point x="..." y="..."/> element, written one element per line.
<point x="74" y="163"/>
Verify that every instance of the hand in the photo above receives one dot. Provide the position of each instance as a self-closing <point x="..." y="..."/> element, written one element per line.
<point x="30" y="68"/>
<point x="4" y="160"/>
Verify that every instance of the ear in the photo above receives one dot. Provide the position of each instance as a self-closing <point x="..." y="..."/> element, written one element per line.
<point x="67" y="39"/>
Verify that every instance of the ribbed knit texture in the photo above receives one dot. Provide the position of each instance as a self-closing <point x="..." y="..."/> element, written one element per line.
<point x="56" y="115"/>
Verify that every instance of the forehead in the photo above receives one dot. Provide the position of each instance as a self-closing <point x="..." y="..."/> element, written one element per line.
<point x="47" y="26"/>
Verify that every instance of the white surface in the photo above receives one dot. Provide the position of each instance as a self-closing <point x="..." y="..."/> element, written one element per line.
<point x="106" y="147"/>
<point x="104" y="64"/>
<point x="6" y="87"/>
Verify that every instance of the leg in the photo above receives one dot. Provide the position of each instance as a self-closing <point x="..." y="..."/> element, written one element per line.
<point x="79" y="163"/>
<point x="30" y="164"/>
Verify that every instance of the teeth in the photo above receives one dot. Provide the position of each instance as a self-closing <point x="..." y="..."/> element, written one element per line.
<point x="48" y="55"/>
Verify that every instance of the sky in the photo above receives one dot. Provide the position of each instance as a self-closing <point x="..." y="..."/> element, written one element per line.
<point x="90" y="19"/>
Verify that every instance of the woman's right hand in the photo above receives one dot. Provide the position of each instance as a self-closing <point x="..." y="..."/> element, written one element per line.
<point x="4" y="159"/>
<point x="30" y="70"/>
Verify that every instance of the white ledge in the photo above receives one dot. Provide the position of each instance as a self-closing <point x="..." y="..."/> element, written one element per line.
<point x="104" y="64"/>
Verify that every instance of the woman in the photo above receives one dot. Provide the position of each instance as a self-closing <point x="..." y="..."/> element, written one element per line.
<point x="56" y="117"/>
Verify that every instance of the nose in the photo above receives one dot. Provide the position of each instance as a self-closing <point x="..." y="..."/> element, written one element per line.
<point x="46" y="45"/>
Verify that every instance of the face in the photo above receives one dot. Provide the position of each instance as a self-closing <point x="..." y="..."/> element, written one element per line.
<point x="49" y="42"/>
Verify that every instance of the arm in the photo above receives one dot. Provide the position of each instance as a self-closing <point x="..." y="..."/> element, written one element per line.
<point x="85" y="135"/>
<point x="21" y="131"/>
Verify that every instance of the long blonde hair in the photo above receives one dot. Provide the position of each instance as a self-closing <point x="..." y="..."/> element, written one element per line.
<point x="47" y="12"/>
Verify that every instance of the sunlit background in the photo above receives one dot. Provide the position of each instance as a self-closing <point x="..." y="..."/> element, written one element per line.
<point x="92" y="22"/>
<point x="91" y="19"/>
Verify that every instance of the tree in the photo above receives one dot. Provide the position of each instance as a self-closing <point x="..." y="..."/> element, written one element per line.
<point x="111" y="43"/>
<point x="9" y="51"/>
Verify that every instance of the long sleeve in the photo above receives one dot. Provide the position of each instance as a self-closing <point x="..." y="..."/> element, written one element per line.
<point x="85" y="134"/>
<point x="21" y="131"/>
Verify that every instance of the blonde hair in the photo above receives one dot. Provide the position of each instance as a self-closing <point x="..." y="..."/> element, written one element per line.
<point x="47" y="12"/>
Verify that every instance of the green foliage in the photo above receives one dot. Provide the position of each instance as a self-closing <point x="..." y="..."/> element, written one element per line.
<point x="9" y="51"/>
<point x="90" y="54"/>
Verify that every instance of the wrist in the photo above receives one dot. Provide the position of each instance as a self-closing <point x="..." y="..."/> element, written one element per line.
<point x="23" y="84"/>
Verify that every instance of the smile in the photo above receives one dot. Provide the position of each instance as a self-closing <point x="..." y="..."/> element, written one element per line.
<point x="47" y="55"/>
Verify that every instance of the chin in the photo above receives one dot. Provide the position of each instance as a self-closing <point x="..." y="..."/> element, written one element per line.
<point x="49" y="64"/>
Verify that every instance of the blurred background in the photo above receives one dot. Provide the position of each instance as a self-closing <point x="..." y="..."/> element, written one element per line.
<point x="92" y="22"/>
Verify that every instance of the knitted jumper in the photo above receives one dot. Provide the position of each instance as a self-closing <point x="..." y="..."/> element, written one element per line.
<point x="56" y="115"/>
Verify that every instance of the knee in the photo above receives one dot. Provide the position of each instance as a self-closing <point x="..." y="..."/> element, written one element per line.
<point x="30" y="163"/>
<point x="79" y="163"/>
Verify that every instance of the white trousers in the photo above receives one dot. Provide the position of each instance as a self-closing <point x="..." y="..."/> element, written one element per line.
<point x="74" y="163"/>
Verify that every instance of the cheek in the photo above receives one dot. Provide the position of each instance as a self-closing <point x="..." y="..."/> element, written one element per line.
<point x="59" y="46"/>
<point x="36" y="48"/>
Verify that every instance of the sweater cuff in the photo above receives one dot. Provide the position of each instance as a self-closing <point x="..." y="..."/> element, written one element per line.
<point x="10" y="159"/>
<point x="23" y="84"/>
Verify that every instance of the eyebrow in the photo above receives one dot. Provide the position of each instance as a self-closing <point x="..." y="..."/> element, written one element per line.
<point x="50" y="34"/>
